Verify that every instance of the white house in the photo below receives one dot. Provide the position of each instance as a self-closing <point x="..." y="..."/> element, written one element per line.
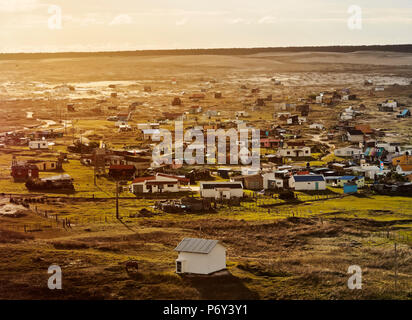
<point x="154" y="184"/>
<point x="39" y="144"/>
<point x="148" y="133"/>
<point x="318" y="126"/>
<point x="307" y="182"/>
<point x="295" y="152"/>
<point x="221" y="190"/>
<point x="359" y="180"/>
<point x="354" y="135"/>
<point x="347" y="152"/>
<point x="200" y="256"/>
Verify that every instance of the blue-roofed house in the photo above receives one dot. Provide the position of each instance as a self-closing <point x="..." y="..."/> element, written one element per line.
<point x="359" y="180"/>
<point x="405" y="113"/>
<point x="308" y="182"/>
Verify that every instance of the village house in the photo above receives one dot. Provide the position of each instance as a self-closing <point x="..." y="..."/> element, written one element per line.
<point x="241" y="114"/>
<point x="197" y="96"/>
<point x="148" y="133"/>
<point x="354" y="135"/>
<point x="63" y="183"/>
<point x="269" y="143"/>
<point x="317" y="126"/>
<point x="366" y="129"/>
<point x="341" y="181"/>
<point x="250" y="182"/>
<point x="295" y="152"/>
<point x="176" y="101"/>
<point x="221" y="190"/>
<point x="403" y="159"/>
<point x="21" y="171"/>
<point x="348" y="152"/>
<point x="405" y="113"/>
<point x="195" y="109"/>
<point x="126" y="172"/>
<point x="212" y="113"/>
<point x="154" y="184"/>
<point x="388" y="106"/>
<point x="279" y="180"/>
<point x="39" y="144"/>
<point x="404" y="169"/>
<point x="200" y="256"/>
<point x="307" y="182"/>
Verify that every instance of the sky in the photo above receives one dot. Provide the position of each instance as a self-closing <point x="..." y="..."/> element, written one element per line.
<point x="108" y="25"/>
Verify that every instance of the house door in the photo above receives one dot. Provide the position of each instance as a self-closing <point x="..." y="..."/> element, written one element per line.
<point x="178" y="266"/>
<point x="316" y="185"/>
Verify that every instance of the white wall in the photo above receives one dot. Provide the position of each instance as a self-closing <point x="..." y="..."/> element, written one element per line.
<point x="310" y="185"/>
<point x="202" y="263"/>
<point x="35" y="145"/>
<point x="212" y="193"/>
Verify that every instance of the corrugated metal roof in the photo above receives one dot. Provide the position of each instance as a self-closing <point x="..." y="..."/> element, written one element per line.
<point x="196" y="245"/>
<point x="309" y="177"/>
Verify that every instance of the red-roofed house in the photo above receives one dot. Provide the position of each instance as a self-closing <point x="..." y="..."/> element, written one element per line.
<point x="156" y="184"/>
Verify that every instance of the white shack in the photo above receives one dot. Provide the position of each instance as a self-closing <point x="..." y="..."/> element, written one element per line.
<point x="221" y="190"/>
<point x="308" y="182"/>
<point x="200" y="256"/>
<point x="38" y="144"/>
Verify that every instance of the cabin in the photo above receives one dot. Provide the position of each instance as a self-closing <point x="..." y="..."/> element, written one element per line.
<point x="195" y="109"/>
<point x="358" y="180"/>
<point x="39" y="145"/>
<point x="348" y="152"/>
<point x="403" y="159"/>
<point x="405" y="113"/>
<point x="22" y="171"/>
<point x="154" y="184"/>
<point x="295" y="152"/>
<point x="221" y="190"/>
<point x="388" y="106"/>
<point x="308" y="182"/>
<point x="250" y="182"/>
<point x="125" y="172"/>
<point x="197" y="96"/>
<point x="149" y="133"/>
<point x="200" y="256"/>
<point x="354" y="135"/>
<point x="317" y="126"/>
<point x="269" y="143"/>
<point x="241" y="114"/>
<point x="61" y="182"/>
<point x="176" y="101"/>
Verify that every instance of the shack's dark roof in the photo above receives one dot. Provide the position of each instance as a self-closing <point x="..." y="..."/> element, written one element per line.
<point x="196" y="245"/>
<point x="308" y="178"/>
<point x="212" y="185"/>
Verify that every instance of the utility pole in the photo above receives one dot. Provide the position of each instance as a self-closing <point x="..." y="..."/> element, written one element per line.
<point x="117" y="199"/>
<point x="396" y="269"/>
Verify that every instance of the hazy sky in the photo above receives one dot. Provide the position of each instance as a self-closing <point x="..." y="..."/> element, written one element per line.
<point x="96" y="25"/>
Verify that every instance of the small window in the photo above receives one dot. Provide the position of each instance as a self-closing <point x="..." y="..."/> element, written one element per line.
<point x="170" y="185"/>
<point x="178" y="266"/>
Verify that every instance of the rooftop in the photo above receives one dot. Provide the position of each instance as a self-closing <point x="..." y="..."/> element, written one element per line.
<point x="196" y="245"/>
